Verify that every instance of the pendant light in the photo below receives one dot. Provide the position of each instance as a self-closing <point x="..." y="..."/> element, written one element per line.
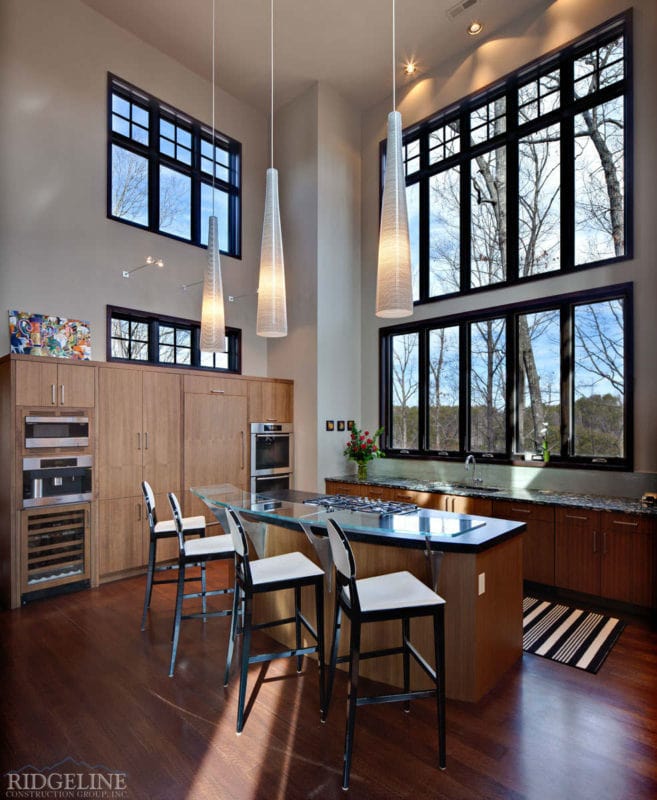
<point x="394" y="286"/>
<point x="213" y="327"/>
<point x="272" y="311"/>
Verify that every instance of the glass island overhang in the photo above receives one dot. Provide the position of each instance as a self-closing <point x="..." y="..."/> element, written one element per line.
<point x="422" y="528"/>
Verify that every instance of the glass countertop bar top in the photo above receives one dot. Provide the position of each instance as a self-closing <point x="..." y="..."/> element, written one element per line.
<point x="288" y="507"/>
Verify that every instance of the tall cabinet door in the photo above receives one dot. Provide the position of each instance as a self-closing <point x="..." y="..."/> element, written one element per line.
<point x="215" y="444"/>
<point x="120" y="440"/>
<point x="578" y="550"/>
<point x="162" y="431"/>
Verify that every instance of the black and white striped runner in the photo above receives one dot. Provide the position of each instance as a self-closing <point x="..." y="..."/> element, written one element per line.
<point x="578" y="638"/>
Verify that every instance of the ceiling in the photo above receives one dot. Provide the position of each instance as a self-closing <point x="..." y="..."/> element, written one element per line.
<point x="345" y="43"/>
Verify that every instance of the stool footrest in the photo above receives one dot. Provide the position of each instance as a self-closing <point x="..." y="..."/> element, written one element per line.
<point x="388" y="651"/>
<point x="213" y="593"/>
<point x="204" y="615"/>
<point x="421" y="661"/>
<point x="394" y="698"/>
<point x="304" y="651"/>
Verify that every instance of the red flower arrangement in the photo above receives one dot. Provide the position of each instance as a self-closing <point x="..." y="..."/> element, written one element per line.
<point x="362" y="447"/>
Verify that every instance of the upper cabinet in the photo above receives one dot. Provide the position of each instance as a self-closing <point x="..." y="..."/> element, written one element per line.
<point x="55" y="385"/>
<point x="271" y="401"/>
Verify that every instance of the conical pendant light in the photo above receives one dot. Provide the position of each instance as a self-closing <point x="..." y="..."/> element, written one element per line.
<point x="272" y="310"/>
<point x="213" y="328"/>
<point x="394" y="286"/>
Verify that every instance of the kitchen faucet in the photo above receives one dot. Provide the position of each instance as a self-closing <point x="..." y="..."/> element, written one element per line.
<point x="470" y="459"/>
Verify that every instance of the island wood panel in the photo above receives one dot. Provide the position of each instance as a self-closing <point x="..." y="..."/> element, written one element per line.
<point x="215" y="450"/>
<point x="483" y="633"/>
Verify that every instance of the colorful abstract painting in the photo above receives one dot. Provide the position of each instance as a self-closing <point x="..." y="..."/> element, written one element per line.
<point x="46" y="335"/>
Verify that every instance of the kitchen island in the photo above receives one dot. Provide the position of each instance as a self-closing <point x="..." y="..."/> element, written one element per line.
<point x="475" y="561"/>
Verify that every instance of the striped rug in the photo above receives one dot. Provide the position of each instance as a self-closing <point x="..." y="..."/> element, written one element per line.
<point x="581" y="639"/>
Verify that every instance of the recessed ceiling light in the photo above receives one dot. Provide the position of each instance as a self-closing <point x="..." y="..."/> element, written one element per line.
<point x="474" y="28"/>
<point x="410" y="68"/>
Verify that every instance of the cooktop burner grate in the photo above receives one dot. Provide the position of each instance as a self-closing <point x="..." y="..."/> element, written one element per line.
<point x="373" y="506"/>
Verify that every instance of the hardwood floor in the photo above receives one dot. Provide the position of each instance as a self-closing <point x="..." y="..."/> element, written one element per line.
<point x="80" y="680"/>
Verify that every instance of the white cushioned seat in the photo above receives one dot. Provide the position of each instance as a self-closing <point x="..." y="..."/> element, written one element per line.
<point x="207" y="545"/>
<point x="188" y="523"/>
<point x="289" y="566"/>
<point x="396" y="590"/>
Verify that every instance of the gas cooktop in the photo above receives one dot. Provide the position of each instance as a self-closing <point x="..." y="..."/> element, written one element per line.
<point x="346" y="503"/>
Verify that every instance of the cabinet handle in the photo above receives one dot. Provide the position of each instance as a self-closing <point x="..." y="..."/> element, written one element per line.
<point x="242" y="435"/>
<point x="138" y="506"/>
<point x="53" y="394"/>
<point x="271" y="419"/>
<point x="595" y="541"/>
<point x="138" y="440"/>
<point x="146" y="440"/>
<point x="604" y="543"/>
<point x="62" y="395"/>
<point x="217" y="391"/>
<point x="575" y="516"/>
<point x="521" y="510"/>
<point x="629" y="524"/>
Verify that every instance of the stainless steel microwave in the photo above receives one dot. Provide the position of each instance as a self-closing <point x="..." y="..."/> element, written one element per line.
<point x="42" y="432"/>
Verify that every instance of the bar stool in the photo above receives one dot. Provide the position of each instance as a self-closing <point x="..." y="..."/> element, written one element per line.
<point x="287" y="571"/>
<point x="165" y="529"/>
<point x="397" y="595"/>
<point x="195" y="552"/>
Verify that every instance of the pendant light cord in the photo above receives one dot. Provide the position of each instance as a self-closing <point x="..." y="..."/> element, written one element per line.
<point x="394" y="58"/>
<point x="214" y="155"/>
<point x="271" y="94"/>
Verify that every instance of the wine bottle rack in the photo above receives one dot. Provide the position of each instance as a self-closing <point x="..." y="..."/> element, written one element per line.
<point x="55" y="547"/>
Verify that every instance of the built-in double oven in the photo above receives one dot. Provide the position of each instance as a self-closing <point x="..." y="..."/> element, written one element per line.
<point x="272" y="456"/>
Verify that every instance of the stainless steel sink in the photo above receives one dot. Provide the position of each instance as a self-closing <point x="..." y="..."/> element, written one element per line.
<point x="470" y="488"/>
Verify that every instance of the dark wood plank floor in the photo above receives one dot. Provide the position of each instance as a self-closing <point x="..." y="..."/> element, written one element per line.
<point x="80" y="680"/>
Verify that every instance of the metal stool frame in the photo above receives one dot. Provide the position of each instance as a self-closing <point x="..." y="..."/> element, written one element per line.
<point x="347" y="602"/>
<point x="245" y="589"/>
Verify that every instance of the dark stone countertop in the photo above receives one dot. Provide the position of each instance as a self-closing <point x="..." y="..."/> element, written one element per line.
<point x="626" y="505"/>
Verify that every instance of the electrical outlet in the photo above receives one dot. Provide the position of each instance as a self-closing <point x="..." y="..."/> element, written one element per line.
<point x="482" y="582"/>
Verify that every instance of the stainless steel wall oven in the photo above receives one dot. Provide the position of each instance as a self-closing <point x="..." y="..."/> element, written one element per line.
<point x="272" y="456"/>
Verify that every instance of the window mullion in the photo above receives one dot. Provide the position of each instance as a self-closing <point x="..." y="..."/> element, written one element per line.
<point x="567" y="353"/>
<point x="464" y="386"/>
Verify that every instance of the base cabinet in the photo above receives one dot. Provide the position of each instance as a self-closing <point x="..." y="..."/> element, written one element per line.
<point x="122" y="540"/>
<point x="537" y="541"/>
<point x="606" y="554"/>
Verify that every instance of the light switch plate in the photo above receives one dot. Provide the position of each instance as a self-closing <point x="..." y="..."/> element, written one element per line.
<point x="482" y="582"/>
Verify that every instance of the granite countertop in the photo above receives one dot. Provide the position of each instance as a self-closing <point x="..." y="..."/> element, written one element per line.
<point x="626" y="505"/>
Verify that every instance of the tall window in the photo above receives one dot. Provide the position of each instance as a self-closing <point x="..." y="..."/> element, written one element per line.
<point x="156" y="339"/>
<point x="528" y="178"/>
<point x="160" y="169"/>
<point x="491" y="383"/>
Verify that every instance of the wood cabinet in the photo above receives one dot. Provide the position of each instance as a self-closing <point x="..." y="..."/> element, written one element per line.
<point x="216" y="440"/>
<point x="214" y="384"/>
<point x="139" y="438"/>
<point x="53" y="384"/>
<point x="458" y="504"/>
<point x="270" y="401"/>
<point x="607" y="554"/>
<point x="121" y="523"/>
<point x="538" y="539"/>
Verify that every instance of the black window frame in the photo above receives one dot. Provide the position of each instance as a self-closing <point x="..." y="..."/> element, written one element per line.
<point x="153" y="321"/>
<point x="159" y="110"/>
<point x="566" y="303"/>
<point x="569" y="107"/>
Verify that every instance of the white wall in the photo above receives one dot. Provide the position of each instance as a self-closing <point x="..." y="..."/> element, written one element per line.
<point x="318" y="157"/>
<point x="59" y="254"/>
<point x="529" y="37"/>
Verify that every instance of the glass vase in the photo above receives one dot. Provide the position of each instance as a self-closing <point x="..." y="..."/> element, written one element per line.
<point x="362" y="471"/>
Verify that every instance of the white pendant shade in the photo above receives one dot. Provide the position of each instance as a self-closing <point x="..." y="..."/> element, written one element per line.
<point x="272" y="311"/>
<point x="394" y="286"/>
<point x="213" y="328"/>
